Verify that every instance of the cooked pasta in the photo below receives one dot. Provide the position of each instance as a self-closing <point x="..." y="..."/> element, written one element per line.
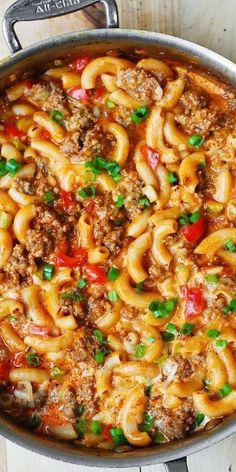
<point x="118" y="251"/>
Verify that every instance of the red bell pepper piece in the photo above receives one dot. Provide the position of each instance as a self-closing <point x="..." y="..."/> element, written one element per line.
<point x="80" y="258"/>
<point x="195" y="231"/>
<point x="106" y="432"/>
<point x="4" y="369"/>
<point x="13" y="131"/>
<point x="79" y="93"/>
<point x="95" y="274"/>
<point x="90" y="208"/>
<point x="195" y="303"/>
<point x="19" y="359"/>
<point x="44" y="135"/>
<point x="67" y="199"/>
<point x="80" y="63"/>
<point x="151" y="155"/>
<point x="39" y="329"/>
<point x="99" y="93"/>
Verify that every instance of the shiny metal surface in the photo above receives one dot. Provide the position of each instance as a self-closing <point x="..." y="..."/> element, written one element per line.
<point x="98" y="42"/>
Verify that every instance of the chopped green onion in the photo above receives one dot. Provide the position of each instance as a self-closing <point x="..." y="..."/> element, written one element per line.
<point x="12" y="319"/>
<point x="100" y="336"/>
<point x="82" y="283"/>
<point x="201" y="166"/>
<point x="151" y="339"/>
<point x="140" y="351"/>
<point x="213" y="333"/>
<point x="99" y="356"/>
<point x="96" y="427"/>
<point x="212" y="279"/>
<point x="139" y="287"/>
<point x="187" y="329"/>
<point x="173" y="178"/>
<point x="232" y="305"/>
<point x="140" y="114"/>
<point x="33" y="422"/>
<point x="48" y="271"/>
<point x="56" y="372"/>
<point x="82" y="426"/>
<point x="57" y="116"/>
<point x="171" y="304"/>
<point x="230" y="246"/>
<point x="5" y="220"/>
<point x="118" y="436"/>
<point x="13" y="166"/>
<point x="148" y="423"/>
<point x="167" y="336"/>
<point x="159" y="438"/>
<point x="113" y="274"/>
<point x="221" y="343"/>
<point x="225" y="390"/>
<point x="194" y="217"/>
<point x="144" y="202"/>
<point x="171" y="328"/>
<point x="110" y="104"/>
<point x="120" y="201"/>
<point x="113" y="169"/>
<point x="3" y="169"/>
<point x="87" y="192"/>
<point x="226" y="310"/>
<point x="113" y="296"/>
<point x="162" y="310"/>
<point x="80" y="409"/>
<point x="184" y="220"/>
<point x="199" y="418"/>
<point x="49" y="197"/>
<point x="196" y="140"/>
<point x="119" y="222"/>
<point x="72" y="296"/>
<point x="33" y="359"/>
<point x="148" y="391"/>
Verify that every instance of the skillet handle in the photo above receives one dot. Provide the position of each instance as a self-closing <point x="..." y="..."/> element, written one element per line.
<point x="180" y="465"/>
<point x="31" y="10"/>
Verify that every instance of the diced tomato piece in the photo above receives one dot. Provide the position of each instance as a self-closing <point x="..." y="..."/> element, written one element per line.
<point x="90" y="207"/>
<point x="99" y="93"/>
<point x="95" y="273"/>
<point x="63" y="246"/>
<point x="38" y="329"/>
<point x="195" y="303"/>
<point x="106" y="432"/>
<point x="80" y="63"/>
<point x="29" y="83"/>
<point x="13" y="131"/>
<point x="53" y="415"/>
<point x="67" y="199"/>
<point x="4" y="369"/>
<point x="44" y="134"/>
<point x="19" y="359"/>
<point x="195" y="231"/>
<point x="151" y="156"/>
<point x="79" y="94"/>
<point x="80" y="257"/>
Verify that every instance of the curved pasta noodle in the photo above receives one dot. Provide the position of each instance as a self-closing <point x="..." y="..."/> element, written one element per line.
<point x="104" y="375"/>
<point x="160" y="252"/>
<point x="135" y="253"/>
<point x="110" y="82"/>
<point x="7" y="203"/>
<point x="188" y="170"/>
<point x="9" y="151"/>
<point x="143" y="169"/>
<point x="154" y="349"/>
<point x="22" y="221"/>
<point x="30" y="374"/>
<point x="173" y="135"/>
<point x="121" y="151"/>
<point x="215" y="241"/>
<point x="128" y="294"/>
<point x="22" y="198"/>
<point x="106" y="321"/>
<point x="99" y="66"/>
<point x="119" y="97"/>
<point x="85" y="229"/>
<point x="50" y="344"/>
<point x="165" y="187"/>
<point x="136" y="368"/>
<point x="224" y="185"/>
<point x="227" y="358"/>
<point x="6" y="246"/>
<point x="132" y="415"/>
<point x="155" y="65"/>
<point x="172" y="93"/>
<point x="56" y="131"/>
<point x="9" y="306"/>
<point x="98" y="254"/>
<point x="214" y="408"/>
<point x="31" y="297"/>
<point x="139" y="224"/>
<point x="217" y="374"/>
<point x="155" y="136"/>
<point x="11" y="338"/>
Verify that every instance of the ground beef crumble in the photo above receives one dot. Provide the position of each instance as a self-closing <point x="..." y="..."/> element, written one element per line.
<point x="173" y="423"/>
<point x="48" y="96"/>
<point x="139" y="84"/>
<point x="17" y="269"/>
